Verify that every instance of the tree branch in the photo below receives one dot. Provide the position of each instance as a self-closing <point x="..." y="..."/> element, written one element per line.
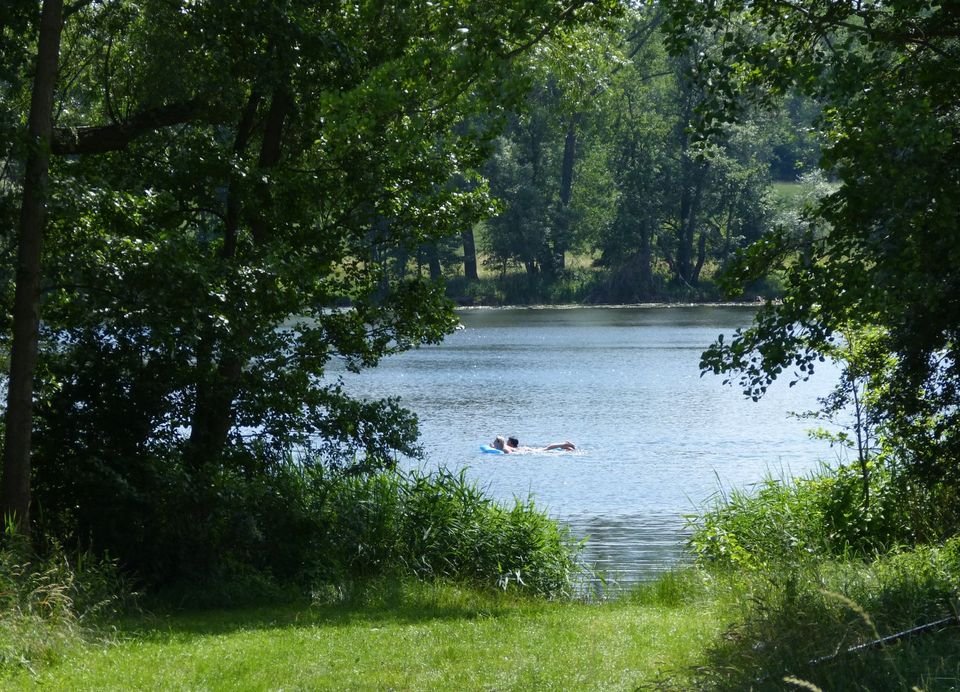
<point x="75" y="7"/>
<point x="106" y="138"/>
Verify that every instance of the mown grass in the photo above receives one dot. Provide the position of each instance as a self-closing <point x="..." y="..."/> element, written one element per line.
<point x="691" y="629"/>
<point x="418" y="636"/>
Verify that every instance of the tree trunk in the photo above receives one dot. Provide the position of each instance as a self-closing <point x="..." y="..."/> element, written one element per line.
<point x="213" y="414"/>
<point x="270" y="149"/>
<point x="469" y="255"/>
<point x="561" y="240"/>
<point x="433" y="261"/>
<point x="569" y="157"/>
<point x="26" y="308"/>
<point x="690" y="195"/>
<point x="645" y="262"/>
<point x="701" y="257"/>
<point x="232" y="217"/>
<point x="685" y="228"/>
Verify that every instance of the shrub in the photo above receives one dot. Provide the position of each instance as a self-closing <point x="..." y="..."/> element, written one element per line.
<point x="815" y="573"/>
<point x="789" y="522"/>
<point x="246" y="536"/>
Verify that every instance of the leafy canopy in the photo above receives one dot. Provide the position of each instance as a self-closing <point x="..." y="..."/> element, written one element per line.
<point x="883" y="248"/>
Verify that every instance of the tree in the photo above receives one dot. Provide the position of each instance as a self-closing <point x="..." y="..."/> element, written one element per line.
<point x="681" y="201"/>
<point x="884" y="249"/>
<point x="15" y="499"/>
<point x="202" y="278"/>
<point x="42" y="140"/>
<point x="546" y="170"/>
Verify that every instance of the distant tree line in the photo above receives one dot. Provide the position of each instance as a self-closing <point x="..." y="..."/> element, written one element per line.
<point x="608" y="160"/>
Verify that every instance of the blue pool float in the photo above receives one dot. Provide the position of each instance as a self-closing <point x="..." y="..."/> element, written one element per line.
<point x="487" y="449"/>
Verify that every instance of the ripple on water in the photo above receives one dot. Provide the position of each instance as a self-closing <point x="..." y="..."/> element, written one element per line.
<point x="657" y="439"/>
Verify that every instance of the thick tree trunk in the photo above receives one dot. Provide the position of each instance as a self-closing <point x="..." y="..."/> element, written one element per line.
<point x="469" y="255"/>
<point x="213" y="414"/>
<point x="26" y="308"/>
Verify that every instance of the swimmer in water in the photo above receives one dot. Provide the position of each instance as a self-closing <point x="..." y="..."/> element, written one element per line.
<point x="512" y="446"/>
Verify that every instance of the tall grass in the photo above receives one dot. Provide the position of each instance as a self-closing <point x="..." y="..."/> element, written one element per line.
<point x="804" y="622"/>
<point x="440" y="525"/>
<point x="813" y="573"/>
<point x="50" y="604"/>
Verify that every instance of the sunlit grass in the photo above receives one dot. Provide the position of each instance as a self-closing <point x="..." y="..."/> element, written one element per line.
<point x="418" y="637"/>
<point x="786" y="192"/>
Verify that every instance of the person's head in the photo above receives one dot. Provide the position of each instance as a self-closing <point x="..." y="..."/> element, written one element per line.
<point x="513" y="442"/>
<point x="498" y="442"/>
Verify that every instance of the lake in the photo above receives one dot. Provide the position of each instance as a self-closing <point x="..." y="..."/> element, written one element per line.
<point x="656" y="440"/>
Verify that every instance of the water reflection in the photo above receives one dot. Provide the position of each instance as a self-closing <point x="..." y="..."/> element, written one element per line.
<point x="632" y="547"/>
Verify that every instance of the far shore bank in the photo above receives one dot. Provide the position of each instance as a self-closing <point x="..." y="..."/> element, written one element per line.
<point x="618" y="306"/>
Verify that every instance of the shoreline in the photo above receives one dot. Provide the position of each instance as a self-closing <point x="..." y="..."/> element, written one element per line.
<point x="616" y="306"/>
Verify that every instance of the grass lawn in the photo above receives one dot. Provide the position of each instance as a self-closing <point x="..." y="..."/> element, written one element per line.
<point x="435" y="637"/>
<point x="786" y="192"/>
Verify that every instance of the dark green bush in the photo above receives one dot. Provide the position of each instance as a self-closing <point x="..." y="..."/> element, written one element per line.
<point x="253" y="528"/>
<point x="516" y="288"/>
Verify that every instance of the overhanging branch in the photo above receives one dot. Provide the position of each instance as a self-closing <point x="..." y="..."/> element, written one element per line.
<point x="105" y="138"/>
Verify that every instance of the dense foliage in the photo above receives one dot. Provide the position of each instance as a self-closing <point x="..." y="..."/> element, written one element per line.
<point x="813" y="574"/>
<point x="440" y="526"/>
<point x="602" y="163"/>
<point x="221" y="191"/>
<point x="785" y="524"/>
<point x="882" y="249"/>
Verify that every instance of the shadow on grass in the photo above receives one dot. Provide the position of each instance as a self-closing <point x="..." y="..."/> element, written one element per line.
<point x="929" y="663"/>
<point x="396" y="605"/>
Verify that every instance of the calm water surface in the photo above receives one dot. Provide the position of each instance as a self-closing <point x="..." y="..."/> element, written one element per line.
<point x="656" y="439"/>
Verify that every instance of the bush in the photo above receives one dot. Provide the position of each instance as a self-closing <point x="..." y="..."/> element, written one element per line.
<point x="815" y="572"/>
<point x="573" y="285"/>
<point x="259" y="529"/>
<point x="790" y="522"/>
